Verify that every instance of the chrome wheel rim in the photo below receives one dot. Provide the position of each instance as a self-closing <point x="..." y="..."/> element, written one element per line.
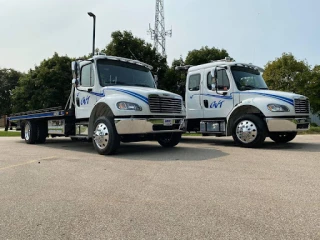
<point x="27" y="132"/>
<point x="246" y="131"/>
<point x="101" y="136"/>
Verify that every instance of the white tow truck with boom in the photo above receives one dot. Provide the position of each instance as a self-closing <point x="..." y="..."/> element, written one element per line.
<point x="112" y="100"/>
<point x="228" y="98"/>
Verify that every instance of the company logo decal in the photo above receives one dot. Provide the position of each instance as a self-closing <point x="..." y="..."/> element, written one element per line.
<point x="85" y="100"/>
<point x="216" y="104"/>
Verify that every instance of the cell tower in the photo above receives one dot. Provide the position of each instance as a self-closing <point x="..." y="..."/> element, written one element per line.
<point x="159" y="33"/>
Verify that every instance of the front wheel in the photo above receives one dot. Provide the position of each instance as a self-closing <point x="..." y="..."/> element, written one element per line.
<point x="282" y="137"/>
<point x="169" y="139"/>
<point x="105" y="137"/>
<point x="249" y="131"/>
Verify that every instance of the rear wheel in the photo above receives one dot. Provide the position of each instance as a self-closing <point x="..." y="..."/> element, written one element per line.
<point x="249" y="131"/>
<point x="169" y="139"/>
<point x="30" y="132"/>
<point x="42" y="132"/>
<point x="105" y="137"/>
<point x="282" y="137"/>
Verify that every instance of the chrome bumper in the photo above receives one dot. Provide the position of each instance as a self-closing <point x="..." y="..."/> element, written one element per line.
<point x="144" y="126"/>
<point x="288" y="125"/>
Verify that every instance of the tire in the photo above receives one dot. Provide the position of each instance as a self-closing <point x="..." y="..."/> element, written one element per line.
<point x="22" y="131"/>
<point x="30" y="132"/>
<point x="282" y="137"/>
<point x="105" y="137"/>
<point x="42" y="132"/>
<point x="169" y="140"/>
<point x="249" y="131"/>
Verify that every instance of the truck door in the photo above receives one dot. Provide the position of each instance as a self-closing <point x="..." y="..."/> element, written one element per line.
<point x="215" y="104"/>
<point x="193" y="103"/>
<point x="85" y="99"/>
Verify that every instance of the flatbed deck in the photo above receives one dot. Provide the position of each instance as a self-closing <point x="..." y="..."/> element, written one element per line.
<point x="40" y="113"/>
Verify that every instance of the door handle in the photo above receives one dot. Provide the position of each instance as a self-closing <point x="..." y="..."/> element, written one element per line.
<point x="205" y="102"/>
<point x="78" y="101"/>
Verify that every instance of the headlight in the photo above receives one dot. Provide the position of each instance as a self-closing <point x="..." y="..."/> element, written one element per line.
<point x="129" y="106"/>
<point x="278" y="108"/>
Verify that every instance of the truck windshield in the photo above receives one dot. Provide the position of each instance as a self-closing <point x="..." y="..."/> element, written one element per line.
<point x="248" y="78"/>
<point x="113" y="73"/>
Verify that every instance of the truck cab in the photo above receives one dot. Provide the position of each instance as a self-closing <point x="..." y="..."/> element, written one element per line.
<point x="116" y="99"/>
<point x="112" y="100"/>
<point x="228" y="98"/>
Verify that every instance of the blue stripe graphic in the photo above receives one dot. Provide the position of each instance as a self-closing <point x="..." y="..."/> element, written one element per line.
<point x="37" y="115"/>
<point x="97" y="94"/>
<point x="211" y="95"/>
<point x="142" y="98"/>
<point x="133" y="94"/>
<point x="284" y="99"/>
<point x="287" y="100"/>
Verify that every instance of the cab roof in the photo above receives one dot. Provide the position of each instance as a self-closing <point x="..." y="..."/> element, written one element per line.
<point x="222" y="63"/>
<point x="114" y="58"/>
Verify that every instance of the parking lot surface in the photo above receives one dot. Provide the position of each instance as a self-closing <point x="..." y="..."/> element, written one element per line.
<point x="205" y="188"/>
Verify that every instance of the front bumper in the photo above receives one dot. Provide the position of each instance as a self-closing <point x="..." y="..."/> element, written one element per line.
<point x="146" y="126"/>
<point x="288" y="124"/>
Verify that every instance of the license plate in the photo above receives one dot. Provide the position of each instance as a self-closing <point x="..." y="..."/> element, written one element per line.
<point x="167" y="122"/>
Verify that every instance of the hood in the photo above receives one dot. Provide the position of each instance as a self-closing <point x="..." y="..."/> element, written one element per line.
<point x="143" y="91"/>
<point x="289" y="95"/>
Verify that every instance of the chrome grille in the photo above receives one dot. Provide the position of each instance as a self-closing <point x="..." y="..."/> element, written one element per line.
<point x="301" y="106"/>
<point x="160" y="104"/>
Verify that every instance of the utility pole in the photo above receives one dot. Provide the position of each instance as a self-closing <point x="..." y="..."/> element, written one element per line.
<point x="159" y="33"/>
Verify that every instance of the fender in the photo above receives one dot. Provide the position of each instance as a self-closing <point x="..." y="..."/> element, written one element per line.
<point x="100" y="109"/>
<point x="244" y="107"/>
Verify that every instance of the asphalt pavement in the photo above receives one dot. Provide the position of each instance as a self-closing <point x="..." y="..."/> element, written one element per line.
<point x="205" y="188"/>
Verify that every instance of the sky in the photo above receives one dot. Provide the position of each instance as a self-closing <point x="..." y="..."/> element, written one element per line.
<point x="254" y="31"/>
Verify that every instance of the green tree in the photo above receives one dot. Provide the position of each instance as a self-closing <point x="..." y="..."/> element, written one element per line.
<point x="285" y="73"/>
<point x="48" y="85"/>
<point x="124" y="44"/>
<point x="175" y="80"/>
<point x="316" y="68"/>
<point x="8" y="81"/>
<point x="290" y="75"/>
<point x="205" y="55"/>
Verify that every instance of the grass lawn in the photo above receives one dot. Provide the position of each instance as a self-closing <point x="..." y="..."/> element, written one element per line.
<point x="313" y="130"/>
<point x="9" y="134"/>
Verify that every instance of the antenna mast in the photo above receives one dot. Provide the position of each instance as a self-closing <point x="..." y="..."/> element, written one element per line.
<point x="159" y="33"/>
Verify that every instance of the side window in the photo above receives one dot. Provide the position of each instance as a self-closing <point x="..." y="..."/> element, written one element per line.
<point x="223" y="81"/>
<point x="87" y="76"/>
<point x="210" y="81"/>
<point x="194" y="82"/>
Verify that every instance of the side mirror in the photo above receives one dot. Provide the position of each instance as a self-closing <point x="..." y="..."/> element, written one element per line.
<point x="156" y="80"/>
<point x="75" y="82"/>
<point x="214" y="75"/>
<point x="74" y="68"/>
<point x="214" y="72"/>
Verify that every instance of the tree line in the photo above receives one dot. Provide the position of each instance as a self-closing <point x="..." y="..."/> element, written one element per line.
<point x="49" y="84"/>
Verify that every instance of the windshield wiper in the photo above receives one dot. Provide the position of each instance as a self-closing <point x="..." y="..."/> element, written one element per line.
<point x="249" y="87"/>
